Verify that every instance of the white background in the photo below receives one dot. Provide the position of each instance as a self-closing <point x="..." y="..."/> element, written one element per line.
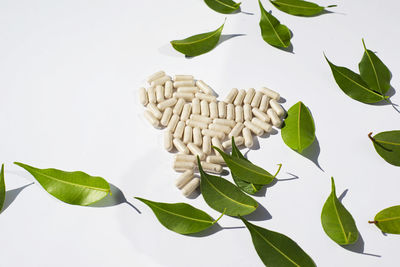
<point x="69" y="73"/>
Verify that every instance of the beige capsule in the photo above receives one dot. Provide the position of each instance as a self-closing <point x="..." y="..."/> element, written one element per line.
<point x="264" y="103"/>
<point x="178" y="84"/>
<point x="161" y="80"/>
<point x="255" y="103"/>
<point x="151" y="94"/>
<point x="230" y="123"/>
<point x="215" y="141"/>
<point x="187" y="134"/>
<point x="204" y="108"/>
<point x="167" y="103"/>
<point x="188" y="89"/>
<point x="254" y="128"/>
<point x="239" y="140"/>
<point x="231" y="96"/>
<point x="181" y="166"/>
<point x="166" y="117"/>
<point x="249" y="96"/>
<point x="179" y="106"/>
<point x="213" y="110"/>
<point x="150" y="118"/>
<point x="153" y="109"/>
<point x="184" y="95"/>
<point x="201" y="118"/>
<point x="183" y="77"/>
<point x="239" y="97"/>
<point x="261" y="115"/>
<point x="172" y="123"/>
<point x="277" y="108"/>
<point x="180" y="146"/>
<point x="194" y="123"/>
<point x="247" y="112"/>
<point x="248" y="137"/>
<point x="187" y="109"/>
<point x="239" y="114"/>
<point x="220" y="128"/>
<point x="184" y="178"/>
<point x="159" y="93"/>
<point x="196" y="106"/>
<point x="213" y="133"/>
<point x="211" y="167"/>
<point x="195" y="150"/>
<point x="236" y="130"/>
<point x="206" y="144"/>
<point x="190" y="187"/>
<point x="230" y="112"/>
<point x="221" y="110"/>
<point x="155" y="76"/>
<point x="208" y="98"/>
<point x="185" y="157"/>
<point x="262" y="124"/>
<point x="168" y="89"/>
<point x="276" y="121"/>
<point x="179" y="130"/>
<point x="197" y="136"/>
<point x="216" y="159"/>
<point x="270" y="93"/>
<point x="204" y="87"/>
<point x="143" y="98"/>
<point x="168" y="145"/>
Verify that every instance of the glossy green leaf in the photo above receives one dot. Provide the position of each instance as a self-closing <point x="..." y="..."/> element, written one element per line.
<point x="222" y="195"/>
<point x="374" y="72"/>
<point x="272" y="31"/>
<point x="181" y="218"/>
<point x="2" y="188"/>
<point x="223" y="6"/>
<point x="245" y="170"/>
<point x="298" y="7"/>
<point x="277" y="250"/>
<point x="337" y="222"/>
<point x="353" y="85"/>
<point x="299" y="130"/>
<point x="388" y="220"/>
<point x="77" y="188"/>
<point x="198" y="44"/>
<point x="387" y="144"/>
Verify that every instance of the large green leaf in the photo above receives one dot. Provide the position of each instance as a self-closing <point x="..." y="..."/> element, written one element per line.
<point x="337" y="222"/>
<point x="198" y="44"/>
<point x="298" y="7"/>
<point x="222" y="195"/>
<point x="387" y="144"/>
<point x="77" y="188"/>
<point x="2" y="188"/>
<point x="223" y="6"/>
<point x="276" y="249"/>
<point x="353" y="85"/>
<point x="374" y="72"/>
<point x="388" y="220"/>
<point x="181" y="218"/>
<point x="272" y="31"/>
<point x="299" y="130"/>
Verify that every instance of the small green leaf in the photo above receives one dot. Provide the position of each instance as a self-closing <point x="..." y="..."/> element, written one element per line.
<point x="223" y="6"/>
<point x="298" y="7"/>
<point x="353" y="85"/>
<point x="245" y="170"/>
<point x="272" y="31"/>
<point x="388" y="220"/>
<point x="337" y="222"/>
<point x="181" y="218"/>
<point x="222" y="195"/>
<point x="2" y="188"/>
<point x="198" y="44"/>
<point x="387" y="144"/>
<point x="77" y="188"/>
<point x="275" y="249"/>
<point x="299" y="130"/>
<point x="374" y="72"/>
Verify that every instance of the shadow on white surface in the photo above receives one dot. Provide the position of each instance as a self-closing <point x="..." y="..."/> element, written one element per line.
<point x="12" y="194"/>
<point x="260" y="214"/>
<point x="312" y="153"/>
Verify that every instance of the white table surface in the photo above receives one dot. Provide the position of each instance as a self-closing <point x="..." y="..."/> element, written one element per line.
<point x="69" y="73"/>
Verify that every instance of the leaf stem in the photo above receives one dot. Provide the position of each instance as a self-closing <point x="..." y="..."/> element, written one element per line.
<point x="279" y="169"/>
<point x="374" y="222"/>
<point x="370" y="137"/>
<point x="362" y="39"/>
<point x="331" y="6"/>
<point x="223" y="213"/>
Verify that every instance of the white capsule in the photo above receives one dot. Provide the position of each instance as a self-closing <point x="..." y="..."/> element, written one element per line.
<point x="276" y="121"/>
<point x="195" y="123"/>
<point x="215" y="141"/>
<point x="172" y="123"/>
<point x="277" y="107"/>
<point x="168" y="141"/>
<point x="150" y="118"/>
<point x="249" y="96"/>
<point x="180" y="146"/>
<point x="236" y="130"/>
<point x="205" y="109"/>
<point x="217" y="159"/>
<point x="204" y="87"/>
<point x="187" y="108"/>
<point x="197" y="136"/>
<point x="195" y="150"/>
<point x="179" y="130"/>
<point x="206" y="144"/>
<point x="184" y="178"/>
<point x="166" y="117"/>
<point x="208" y="98"/>
<point x="264" y="103"/>
<point x="185" y="96"/>
<point x="239" y="114"/>
<point x="155" y="76"/>
<point x="239" y="97"/>
<point x="187" y="135"/>
<point x="213" y="133"/>
<point x="256" y="99"/>
<point x="230" y="112"/>
<point x="231" y="96"/>
<point x="230" y="123"/>
<point x="151" y="94"/>
<point x="161" y="81"/>
<point x="185" y="157"/>
<point x="159" y="93"/>
<point x="192" y="185"/>
<point x="221" y="110"/>
<point x="167" y="103"/>
<point x="213" y="110"/>
<point x="179" y="106"/>
<point x="168" y="89"/>
<point x="196" y="106"/>
<point x="183" y="77"/>
<point x="153" y="109"/>
<point x="254" y="128"/>
<point x="247" y="112"/>
<point x="261" y="115"/>
<point x="178" y="84"/>
<point x="188" y="89"/>
<point x="201" y="118"/>
<point x="262" y="124"/>
<point x="228" y="143"/>
<point x="220" y="128"/>
<point x="211" y="167"/>
<point x="270" y="93"/>
<point x="144" y="100"/>
<point x="248" y="137"/>
<point x="181" y="166"/>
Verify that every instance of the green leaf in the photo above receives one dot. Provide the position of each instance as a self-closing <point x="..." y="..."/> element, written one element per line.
<point x="198" y="44"/>
<point x="275" y="249"/>
<point x="2" y="188"/>
<point x="353" y="85"/>
<point x="245" y="170"/>
<point x="222" y="195"/>
<point x="337" y="222"/>
<point x="181" y="218"/>
<point x="272" y="31"/>
<point x="223" y="6"/>
<point x="387" y="144"/>
<point x="388" y="220"/>
<point x="298" y="7"/>
<point x="299" y="130"/>
<point x="374" y="72"/>
<point x="76" y="188"/>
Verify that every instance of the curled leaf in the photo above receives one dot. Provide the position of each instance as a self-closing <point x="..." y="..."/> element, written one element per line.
<point x="223" y="6"/>
<point x="387" y="145"/>
<point x="388" y="220"/>
<point x="298" y="7"/>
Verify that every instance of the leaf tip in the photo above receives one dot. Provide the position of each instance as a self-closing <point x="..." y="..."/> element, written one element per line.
<point x="333" y="185"/>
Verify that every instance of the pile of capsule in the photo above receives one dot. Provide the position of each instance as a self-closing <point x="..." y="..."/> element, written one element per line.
<point x="194" y="120"/>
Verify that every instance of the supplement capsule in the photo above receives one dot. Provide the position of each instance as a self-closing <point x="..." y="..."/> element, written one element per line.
<point x="255" y="103"/>
<point x="179" y="130"/>
<point x="216" y="159"/>
<point x="184" y="178"/>
<point x="239" y="140"/>
<point x="213" y="110"/>
<point x="221" y="110"/>
<point x="155" y="76"/>
<point x="204" y="87"/>
<point x="168" y="89"/>
<point x="167" y="103"/>
<point x="277" y="107"/>
<point x="151" y="94"/>
<point x="261" y="115"/>
<point x="195" y="150"/>
<point x="236" y="130"/>
<point x="150" y="117"/>
<point x="181" y="166"/>
<point x="239" y="114"/>
<point x="230" y="123"/>
<point x="183" y="77"/>
<point x="213" y="133"/>
<point x="217" y="143"/>
<point x="185" y="96"/>
<point x="211" y="167"/>
<point x="249" y="96"/>
<point x="231" y="96"/>
<point x="220" y="128"/>
<point x="144" y="100"/>
<point x="205" y="110"/>
<point x="247" y="112"/>
<point x="264" y="103"/>
<point x="195" y="123"/>
<point x="270" y="93"/>
<point x="153" y="109"/>
<point x="178" y="84"/>
<point x="172" y="123"/>
<point x="276" y="121"/>
<point x="239" y="97"/>
<point x="187" y="134"/>
<point x="230" y="112"/>
<point x="168" y="141"/>
<point x="262" y="124"/>
<point x="191" y="186"/>
<point x="185" y="157"/>
<point x="206" y="144"/>
<point x="160" y="81"/>
<point x="254" y="128"/>
<point x="180" y="146"/>
<point x="179" y="106"/>
<point x="248" y="137"/>
<point x="166" y="116"/>
<point x="159" y="93"/>
<point x="197" y="136"/>
<point x="196" y="106"/>
<point x="187" y="108"/>
<point x="201" y="118"/>
<point x="188" y="89"/>
<point x="208" y="98"/>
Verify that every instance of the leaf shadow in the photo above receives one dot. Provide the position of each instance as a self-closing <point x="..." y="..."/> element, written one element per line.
<point x="12" y="194"/>
<point x="214" y="229"/>
<point x="264" y="189"/>
<point x="260" y="214"/>
<point x="312" y="153"/>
